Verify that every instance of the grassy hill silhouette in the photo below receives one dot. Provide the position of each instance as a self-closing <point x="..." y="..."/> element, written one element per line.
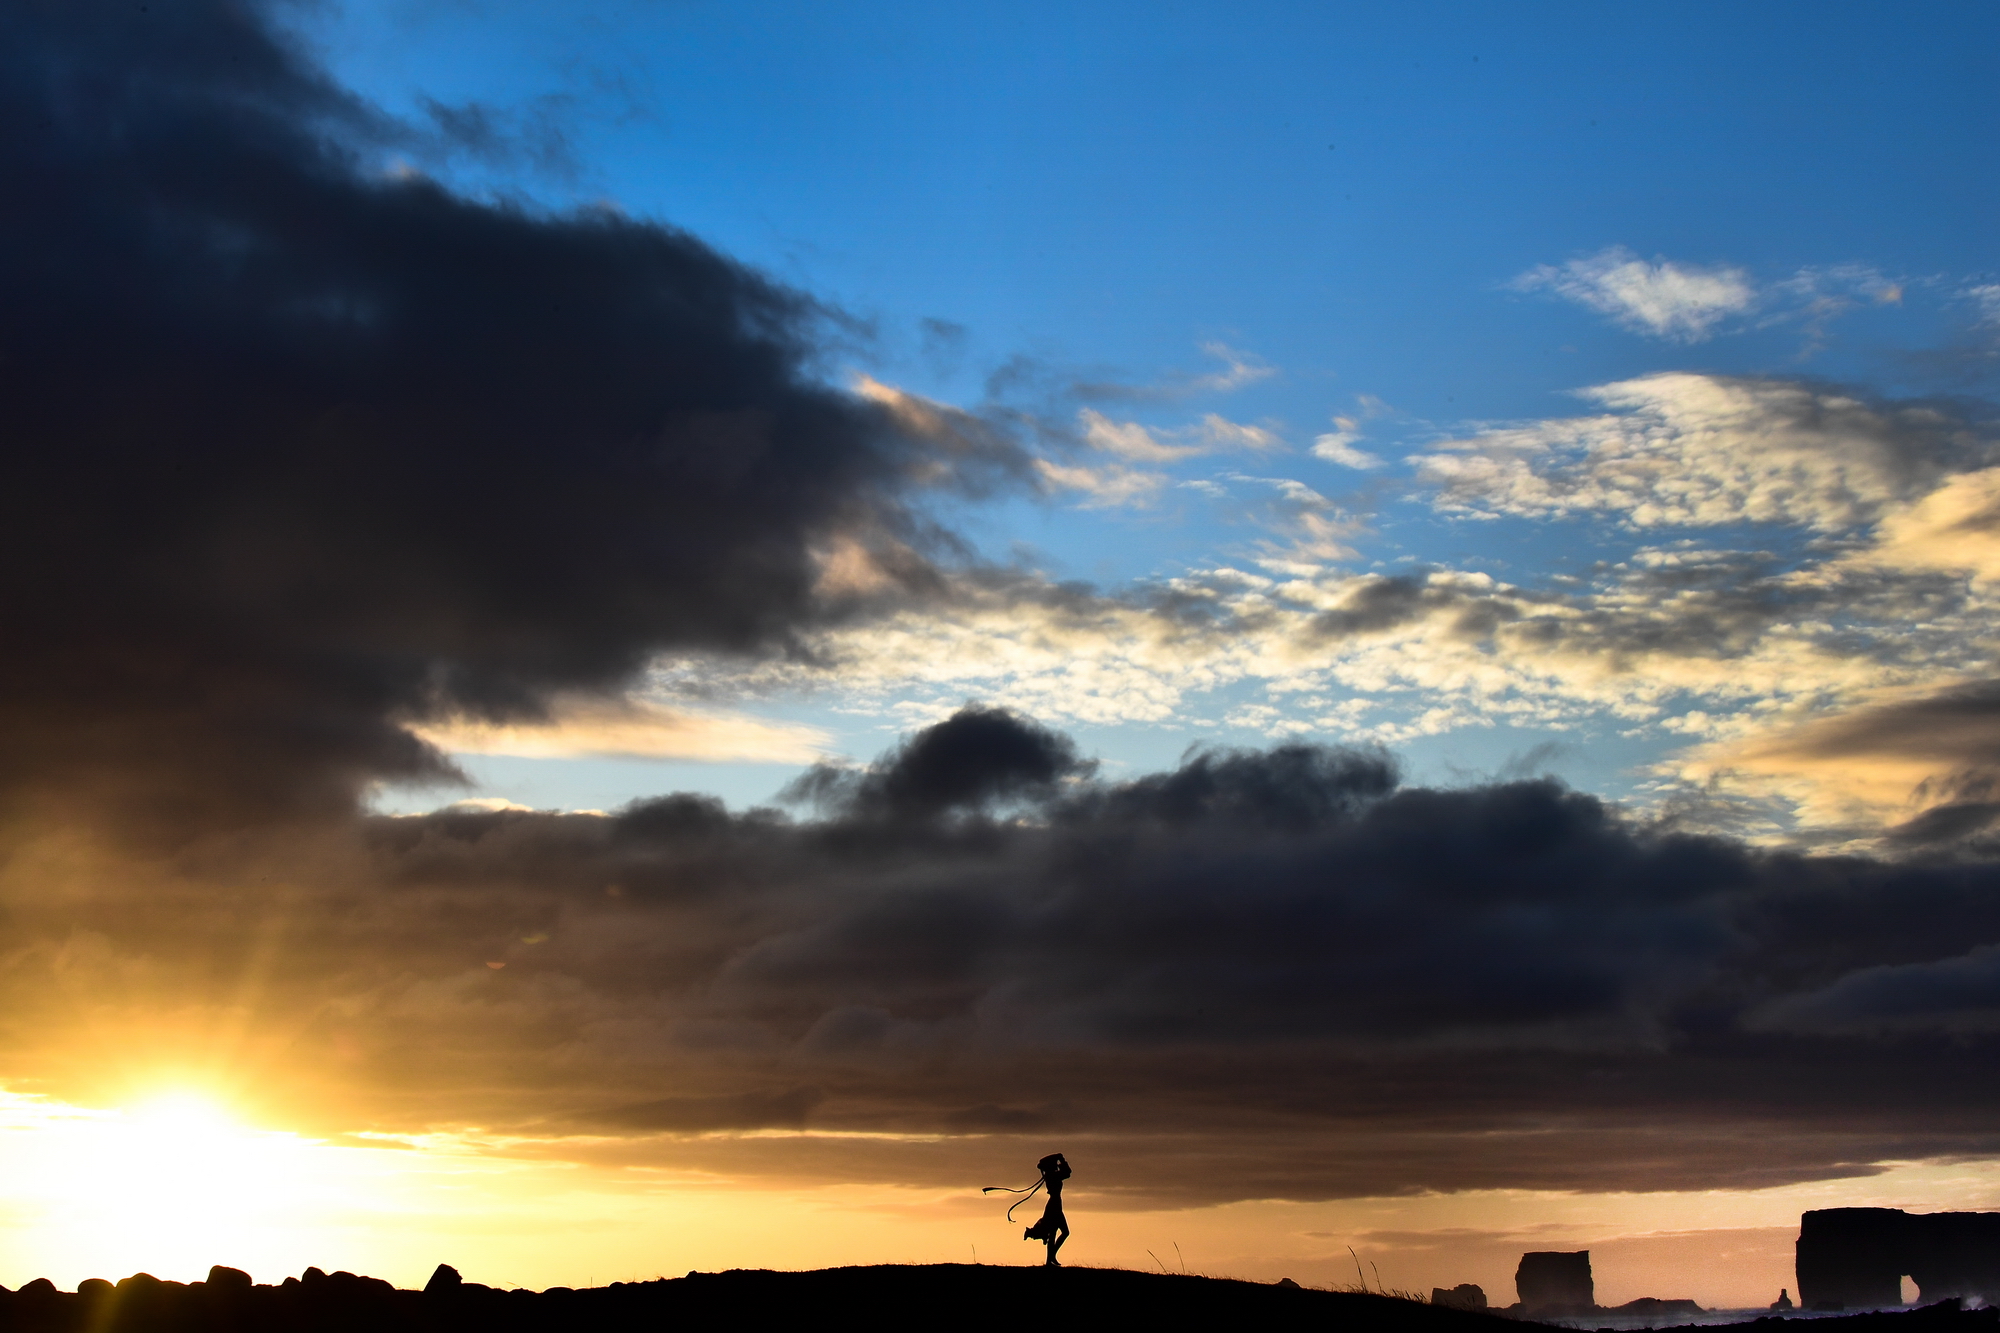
<point x="894" y="1297"/>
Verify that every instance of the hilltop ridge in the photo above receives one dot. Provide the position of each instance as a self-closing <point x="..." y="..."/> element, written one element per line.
<point x="882" y="1297"/>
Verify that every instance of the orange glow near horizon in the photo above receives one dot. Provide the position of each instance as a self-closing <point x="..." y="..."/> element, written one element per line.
<point x="175" y="1183"/>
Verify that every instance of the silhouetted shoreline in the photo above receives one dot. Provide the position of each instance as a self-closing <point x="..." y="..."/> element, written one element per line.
<point x="884" y="1296"/>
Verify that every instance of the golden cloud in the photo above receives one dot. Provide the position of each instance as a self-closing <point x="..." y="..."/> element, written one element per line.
<point x="632" y="728"/>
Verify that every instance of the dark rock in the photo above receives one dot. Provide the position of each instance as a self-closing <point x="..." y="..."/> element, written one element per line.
<point x="444" y="1278"/>
<point x="94" y="1288"/>
<point x="1464" y="1296"/>
<point x="41" y="1286"/>
<point x="232" y="1280"/>
<point x="1287" y="1282"/>
<point x="1852" y="1258"/>
<point x="1555" y="1283"/>
<point x="1784" y="1301"/>
<point x="1652" y="1307"/>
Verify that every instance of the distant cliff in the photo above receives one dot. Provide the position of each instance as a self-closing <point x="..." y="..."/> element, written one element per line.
<point x="1856" y="1258"/>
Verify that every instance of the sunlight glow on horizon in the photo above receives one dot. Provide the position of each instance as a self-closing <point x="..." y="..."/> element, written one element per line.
<point x="174" y="1183"/>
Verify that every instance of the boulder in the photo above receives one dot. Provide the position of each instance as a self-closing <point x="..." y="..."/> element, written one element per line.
<point x="1464" y="1296"/>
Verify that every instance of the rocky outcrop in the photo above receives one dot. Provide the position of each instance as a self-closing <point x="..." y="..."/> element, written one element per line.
<point x="1653" y="1307"/>
<point x="1856" y="1258"/>
<point x="1464" y="1296"/>
<point x="1555" y="1282"/>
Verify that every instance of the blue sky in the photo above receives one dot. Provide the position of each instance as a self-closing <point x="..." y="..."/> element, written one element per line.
<point x="1437" y="222"/>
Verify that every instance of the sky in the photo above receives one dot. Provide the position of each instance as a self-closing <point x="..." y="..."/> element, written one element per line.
<point x="652" y="636"/>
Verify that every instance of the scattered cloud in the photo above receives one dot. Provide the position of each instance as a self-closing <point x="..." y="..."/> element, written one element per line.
<point x="1682" y="449"/>
<point x="1682" y="303"/>
<point x="1386" y="657"/>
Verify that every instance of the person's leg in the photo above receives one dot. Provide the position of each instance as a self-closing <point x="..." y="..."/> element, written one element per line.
<point x="1056" y="1241"/>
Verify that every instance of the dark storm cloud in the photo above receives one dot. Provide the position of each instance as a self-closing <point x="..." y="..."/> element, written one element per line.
<point x="976" y="757"/>
<point x="1952" y="994"/>
<point x="302" y="449"/>
<point x="1281" y="965"/>
<point x="1260" y="974"/>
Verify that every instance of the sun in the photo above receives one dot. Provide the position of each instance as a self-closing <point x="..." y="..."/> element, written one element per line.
<point x="172" y="1182"/>
<point x="184" y="1117"/>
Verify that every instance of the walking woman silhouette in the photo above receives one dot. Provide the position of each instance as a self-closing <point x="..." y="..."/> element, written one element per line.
<point x="1053" y="1229"/>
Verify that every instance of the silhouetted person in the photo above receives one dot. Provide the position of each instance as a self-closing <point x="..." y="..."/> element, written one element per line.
<point x="1053" y="1229"/>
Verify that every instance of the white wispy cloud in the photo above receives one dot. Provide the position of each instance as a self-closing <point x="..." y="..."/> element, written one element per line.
<point x="1218" y="432"/>
<point x="1213" y="433"/>
<point x="1338" y="445"/>
<point x="1129" y="439"/>
<point x="1239" y="368"/>
<point x="1833" y="287"/>
<point x="1987" y="297"/>
<point x="1681" y="302"/>
<point x="1110" y="487"/>
<point x="1137" y="447"/>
